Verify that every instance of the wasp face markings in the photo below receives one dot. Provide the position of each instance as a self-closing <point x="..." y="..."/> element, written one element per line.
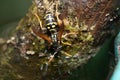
<point x="50" y="21"/>
<point x="51" y="26"/>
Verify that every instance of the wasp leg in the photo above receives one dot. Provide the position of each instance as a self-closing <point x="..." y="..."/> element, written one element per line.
<point x="65" y="37"/>
<point x="61" y="28"/>
<point x="71" y="33"/>
<point x="38" y="18"/>
<point x="67" y="54"/>
<point x="51" y="58"/>
<point x="40" y="34"/>
<point x="66" y="43"/>
<point x="44" y="67"/>
<point x="57" y="14"/>
<point x="59" y="21"/>
<point x="56" y="52"/>
<point x="60" y="32"/>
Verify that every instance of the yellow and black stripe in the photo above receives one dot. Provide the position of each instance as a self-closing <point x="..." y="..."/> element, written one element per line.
<point x="51" y="23"/>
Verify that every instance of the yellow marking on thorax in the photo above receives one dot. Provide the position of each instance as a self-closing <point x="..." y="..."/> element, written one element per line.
<point x="51" y="23"/>
<point x="49" y="18"/>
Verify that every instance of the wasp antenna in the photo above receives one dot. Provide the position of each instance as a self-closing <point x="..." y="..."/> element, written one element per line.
<point x="38" y="18"/>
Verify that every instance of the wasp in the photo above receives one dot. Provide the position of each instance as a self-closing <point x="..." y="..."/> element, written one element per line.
<point x="54" y="31"/>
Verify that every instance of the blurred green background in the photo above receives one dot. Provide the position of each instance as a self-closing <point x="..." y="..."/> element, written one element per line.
<point x="13" y="10"/>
